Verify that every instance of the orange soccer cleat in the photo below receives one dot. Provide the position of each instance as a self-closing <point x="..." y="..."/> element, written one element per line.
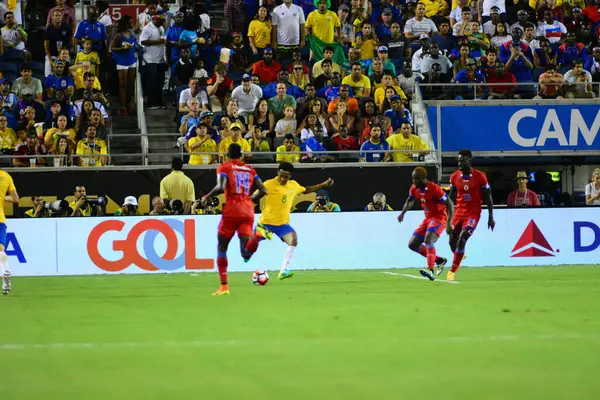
<point x="223" y="291"/>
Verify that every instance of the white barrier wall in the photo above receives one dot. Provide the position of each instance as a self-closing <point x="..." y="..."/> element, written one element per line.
<point x="81" y="246"/>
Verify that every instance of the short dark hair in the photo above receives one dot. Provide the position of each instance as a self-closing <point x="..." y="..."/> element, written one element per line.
<point x="444" y="21"/>
<point x="235" y="151"/>
<point x="286" y="166"/>
<point x="176" y="164"/>
<point x="9" y="12"/>
<point x="25" y="67"/>
<point x="288" y="136"/>
<point x="326" y="61"/>
<point x="577" y="61"/>
<point x="88" y="75"/>
<point x="550" y="67"/>
<point x="356" y="63"/>
<point x="328" y="48"/>
<point x="466" y="9"/>
<point x="465" y="153"/>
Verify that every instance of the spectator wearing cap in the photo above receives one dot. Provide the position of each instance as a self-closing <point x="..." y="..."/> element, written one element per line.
<point x="522" y="197"/>
<point x="288" y="33"/>
<point x="360" y="84"/>
<point x="28" y="154"/>
<point x="9" y="103"/>
<point x="200" y="144"/>
<point x="56" y="81"/>
<point x="236" y="15"/>
<point x="267" y="69"/>
<point x="318" y="66"/>
<point x="418" y="55"/>
<point x="129" y="208"/>
<point x="206" y="118"/>
<point x="323" y="23"/>
<point x="469" y="75"/>
<point x="67" y="14"/>
<point x="397" y="113"/>
<point x="184" y="68"/>
<point x="500" y="75"/>
<point x="93" y="29"/>
<point x="404" y="139"/>
<point x="236" y="138"/>
<point x="455" y="16"/>
<point x="398" y="46"/>
<point x="382" y="53"/>
<point x="489" y="27"/>
<point x="247" y="95"/>
<point x="419" y="25"/>
<point x="383" y="30"/>
<point x="259" y="33"/>
<point x="57" y="36"/>
<point x="153" y="40"/>
<point x="574" y="19"/>
<point x="386" y="5"/>
<point x="347" y="29"/>
<point x="27" y="84"/>
<point x="322" y="203"/>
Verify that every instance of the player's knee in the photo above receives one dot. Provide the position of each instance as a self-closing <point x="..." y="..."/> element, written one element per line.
<point x="413" y="245"/>
<point x="293" y="242"/>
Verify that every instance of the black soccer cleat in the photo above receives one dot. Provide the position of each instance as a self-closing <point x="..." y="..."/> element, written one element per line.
<point x="440" y="262"/>
<point x="427" y="274"/>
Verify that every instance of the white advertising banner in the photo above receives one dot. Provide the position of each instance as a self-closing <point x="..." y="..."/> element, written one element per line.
<point x="362" y="240"/>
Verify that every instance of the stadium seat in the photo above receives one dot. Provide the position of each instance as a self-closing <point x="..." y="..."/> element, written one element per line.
<point x="10" y="70"/>
<point x="14" y="56"/>
<point x="37" y="67"/>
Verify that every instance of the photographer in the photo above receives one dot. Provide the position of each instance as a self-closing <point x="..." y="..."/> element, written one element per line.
<point x="379" y="203"/>
<point x="177" y="185"/>
<point x="84" y="207"/>
<point x="322" y="203"/>
<point x="210" y="209"/>
<point x="38" y="210"/>
<point x="158" y="207"/>
<point x="130" y="208"/>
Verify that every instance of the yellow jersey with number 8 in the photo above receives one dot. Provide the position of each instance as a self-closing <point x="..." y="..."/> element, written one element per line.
<point x="279" y="201"/>
<point x="6" y="186"/>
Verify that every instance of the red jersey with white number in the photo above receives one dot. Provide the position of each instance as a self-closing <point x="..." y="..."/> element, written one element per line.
<point x="240" y="182"/>
<point x="432" y="199"/>
<point x="469" y="192"/>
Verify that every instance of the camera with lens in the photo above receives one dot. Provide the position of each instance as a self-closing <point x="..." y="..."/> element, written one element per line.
<point x="210" y="208"/>
<point x="322" y="201"/>
<point x="95" y="201"/>
<point x="56" y="207"/>
<point x="175" y="206"/>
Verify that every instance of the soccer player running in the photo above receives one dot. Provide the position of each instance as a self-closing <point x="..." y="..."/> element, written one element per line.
<point x="470" y="186"/>
<point x="438" y="208"/>
<point x="237" y="180"/>
<point x="8" y="192"/>
<point x="275" y="218"/>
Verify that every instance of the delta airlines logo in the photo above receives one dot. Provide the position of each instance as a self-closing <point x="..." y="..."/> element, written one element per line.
<point x="532" y="243"/>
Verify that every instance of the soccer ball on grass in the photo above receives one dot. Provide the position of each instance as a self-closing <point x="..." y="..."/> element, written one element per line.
<point x="260" y="277"/>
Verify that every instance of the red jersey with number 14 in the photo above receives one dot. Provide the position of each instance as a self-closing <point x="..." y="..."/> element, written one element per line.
<point x="432" y="200"/>
<point x="469" y="192"/>
<point x="240" y="183"/>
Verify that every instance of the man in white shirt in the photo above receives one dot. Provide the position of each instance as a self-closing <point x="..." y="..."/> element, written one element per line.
<point x="419" y="54"/>
<point x="552" y="30"/>
<point x="456" y="14"/>
<point x="247" y="95"/>
<point x="13" y="35"/>
<point x="153" y="39"/>
<point x="486" y="6"/>
<point x="489" y="28"/>
<point x="193" y="90"/>
<point x="287" y="34"/>
<point x="419" y="25"/>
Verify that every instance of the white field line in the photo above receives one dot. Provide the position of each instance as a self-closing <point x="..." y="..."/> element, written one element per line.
<point x="418" y="277"/>
<point x="313" y="341"/>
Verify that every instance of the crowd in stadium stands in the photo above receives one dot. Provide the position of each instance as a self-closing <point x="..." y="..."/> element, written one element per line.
<point x="296" y="78"/>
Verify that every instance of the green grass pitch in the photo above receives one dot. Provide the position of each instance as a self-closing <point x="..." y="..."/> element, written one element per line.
<point x="501" y="333"/>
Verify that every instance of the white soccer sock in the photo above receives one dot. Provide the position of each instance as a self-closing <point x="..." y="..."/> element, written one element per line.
<point x="288" y="257"/>
<point x="3" y="262"/>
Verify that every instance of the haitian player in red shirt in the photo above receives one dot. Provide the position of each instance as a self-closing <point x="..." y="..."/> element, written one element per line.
<point x="438" y="208"/>
<point x="237" y="180"/>
<point x="470" y="186"/>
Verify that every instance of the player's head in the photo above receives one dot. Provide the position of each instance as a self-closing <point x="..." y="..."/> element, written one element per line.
<point x="284" y="172"/>
<point x="419" y="177"/>
<point x="235" y="151"/>
<point x="465" y="157"/>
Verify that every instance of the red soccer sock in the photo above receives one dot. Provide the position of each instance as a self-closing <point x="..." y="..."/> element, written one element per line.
<point x="422" y="250"/>
<point x="222" y="266"/>
<point x="252" y="244"/>
<point x="431" y="256"/>
<point x="458" y="256"/>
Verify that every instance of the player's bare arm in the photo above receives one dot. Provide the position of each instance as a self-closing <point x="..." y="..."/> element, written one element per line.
<point x="408" y="204"/>
<point x="314" y="188"/>
<point x="218" y="189"/>
<point x="489" y="202"/>
<point x="452" y="193"/>
<point x="450" y="210"/>
<point x="260" y="191"/>
<point x="12" y="197"/>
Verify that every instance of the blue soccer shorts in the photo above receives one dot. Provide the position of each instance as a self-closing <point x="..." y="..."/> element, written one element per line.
<point x="280" y="230"/>
<point x="3" y="234"/>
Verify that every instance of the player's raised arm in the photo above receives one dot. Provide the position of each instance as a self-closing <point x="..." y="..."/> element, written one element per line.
<point x="489" y="202"/>
<point x="314" y="188"/>
<point x="260" y="191"/>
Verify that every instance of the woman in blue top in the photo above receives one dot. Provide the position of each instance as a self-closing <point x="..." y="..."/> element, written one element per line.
<point x="123" y="49"/>
<point x="189" y="36"/>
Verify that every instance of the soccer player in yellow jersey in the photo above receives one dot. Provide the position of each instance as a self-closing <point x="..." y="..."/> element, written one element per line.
<point x="8" y="192"/>
<point x="275" y="218"/>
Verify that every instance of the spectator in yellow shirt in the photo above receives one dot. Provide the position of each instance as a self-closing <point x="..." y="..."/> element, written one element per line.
<point x="201" y="143"/>
<point x="288" y="146"/>
<point x="77" y="72"/>
<point x="360" y="84"/>
<point x="387" y="80"/>
<point x="259" y="32"/>
<point x="324" y="24"/>
<point x="236" y="137"/>
<point x="435" y="8"/>
<point x="8" y="138"/>
<point x="405" y="140"/>
<point x="87" y="54"/>
<point x="91" y="151"/>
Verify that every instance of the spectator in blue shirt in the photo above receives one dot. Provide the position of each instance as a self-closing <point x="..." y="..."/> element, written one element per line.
<point x="173" y="33"/>
<point x="331" y="92"/>
<point x="383" y="30"/>
<point x="93" y="29"/>
<point x="284" y="76"/>
<point x="376" y="144"/>
<point x="57" y="81"/>
<point x="9" y="103"/>
<point x="469" y="75"/>
<point x="398" y="114"/>
<point x="444" y="38"/>
<point x="571" y="50"/>
<point x="521" y="66"/>
<point x="385" y="6"/>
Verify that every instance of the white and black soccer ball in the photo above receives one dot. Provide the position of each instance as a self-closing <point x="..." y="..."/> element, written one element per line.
<point x="260" y="277"/>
